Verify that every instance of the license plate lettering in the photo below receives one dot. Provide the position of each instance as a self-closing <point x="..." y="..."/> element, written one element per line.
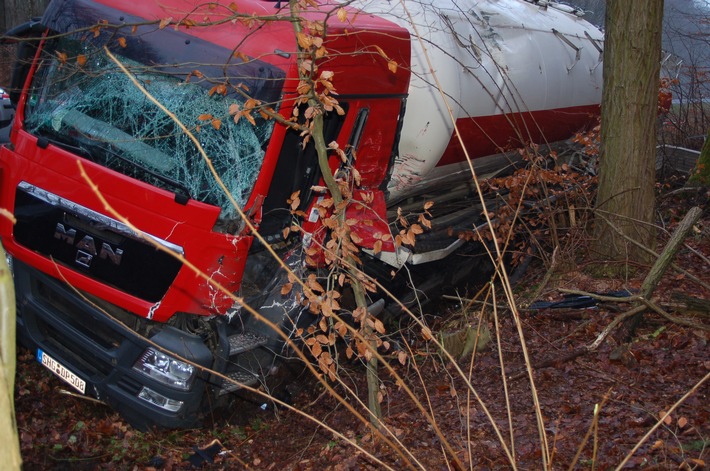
<point x="61" y="371"/>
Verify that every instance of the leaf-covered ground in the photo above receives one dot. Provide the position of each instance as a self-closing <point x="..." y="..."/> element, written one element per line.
<point x="628" y="385"/>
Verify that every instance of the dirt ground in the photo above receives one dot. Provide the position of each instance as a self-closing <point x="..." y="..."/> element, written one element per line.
<point x="600" y="403"/>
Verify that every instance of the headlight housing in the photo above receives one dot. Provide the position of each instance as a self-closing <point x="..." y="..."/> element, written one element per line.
<point x="166" y="369"/>
<point x="159" y="400"/>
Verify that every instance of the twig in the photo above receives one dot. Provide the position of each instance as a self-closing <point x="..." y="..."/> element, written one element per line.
<point x="672" y="318"/>
<point x="592" y="428"/>
<point x="661" y="421"/>
<point x="80" y="396"/>
<point x="586" y="349"/>
<point x="652" y="252"/>
<point x="548" y="275"/>
<point x="618" y="319"/>
<point x="701" y="256"/>
<point x="648" y="303"/>
<point x="601" y="297"/>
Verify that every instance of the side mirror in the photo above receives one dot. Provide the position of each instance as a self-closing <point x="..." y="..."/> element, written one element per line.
<point x="7" y="112"/>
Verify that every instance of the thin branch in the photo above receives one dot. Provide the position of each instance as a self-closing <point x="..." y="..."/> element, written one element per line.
<point x="617" y="320"/>
<point x="660" y="421"/>
<point x="652" y="252"/>
<point x="676" y="320"/>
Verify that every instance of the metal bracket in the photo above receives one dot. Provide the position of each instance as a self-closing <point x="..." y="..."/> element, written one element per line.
<point x="577" y="50"/>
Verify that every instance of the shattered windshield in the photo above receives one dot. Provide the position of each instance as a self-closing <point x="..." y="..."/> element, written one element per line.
<point x="82" y="101"/>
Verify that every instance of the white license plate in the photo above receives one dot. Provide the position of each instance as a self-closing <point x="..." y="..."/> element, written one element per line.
<point x="61" y="371"/>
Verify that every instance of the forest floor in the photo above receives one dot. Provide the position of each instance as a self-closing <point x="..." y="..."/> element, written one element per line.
<point x="601" y="402"/>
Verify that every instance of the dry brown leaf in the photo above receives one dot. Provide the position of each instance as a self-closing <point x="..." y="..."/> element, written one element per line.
<point x="377" y="247"/>
<point x="304" y="41"/>
<point x="416" y="229"/>
<point x="667" y="420"/>
<point x="426" y="333"/>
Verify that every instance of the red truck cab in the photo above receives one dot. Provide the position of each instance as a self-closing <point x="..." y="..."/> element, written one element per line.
<point x="101" y="295"/>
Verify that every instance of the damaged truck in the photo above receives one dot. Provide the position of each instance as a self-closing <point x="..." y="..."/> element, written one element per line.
<point x="98" y="302"/>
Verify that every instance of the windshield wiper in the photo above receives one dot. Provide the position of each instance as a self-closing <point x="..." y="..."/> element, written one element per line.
<point x="43" y="140"/>
<point x="182" y="195"/>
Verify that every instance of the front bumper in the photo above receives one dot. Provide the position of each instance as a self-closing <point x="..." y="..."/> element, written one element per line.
<point x="99" y="349"/>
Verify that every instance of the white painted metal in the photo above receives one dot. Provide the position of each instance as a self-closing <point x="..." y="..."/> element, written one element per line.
<point x="489" y="58"/>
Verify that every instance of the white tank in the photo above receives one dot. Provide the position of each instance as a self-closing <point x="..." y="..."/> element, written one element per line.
<point x="491" y="58"/>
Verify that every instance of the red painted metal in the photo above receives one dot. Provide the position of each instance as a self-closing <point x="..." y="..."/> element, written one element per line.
<point x="487" y="135"/>
<point x="150" y="209"/>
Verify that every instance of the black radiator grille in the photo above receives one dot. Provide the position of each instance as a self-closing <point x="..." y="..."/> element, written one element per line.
<point x="75" y="238"/>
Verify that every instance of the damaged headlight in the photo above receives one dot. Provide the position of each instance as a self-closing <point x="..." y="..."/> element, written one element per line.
<point x="165" y="369"/>
<point x="159" y="400"/>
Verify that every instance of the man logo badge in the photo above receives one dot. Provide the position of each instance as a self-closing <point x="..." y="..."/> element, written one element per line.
<point x="87" y="247"/>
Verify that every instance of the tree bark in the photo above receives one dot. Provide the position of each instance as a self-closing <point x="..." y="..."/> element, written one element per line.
<point x="672" y="247"/>
<point x="632" y="52"/>
<point x="9" y="444"/>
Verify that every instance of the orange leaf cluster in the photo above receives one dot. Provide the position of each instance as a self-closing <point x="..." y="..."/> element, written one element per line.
<point x="409" y="232"/>
<point x="540" y="204"/>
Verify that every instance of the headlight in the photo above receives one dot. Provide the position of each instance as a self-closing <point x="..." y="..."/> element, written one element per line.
<point x="159" y="400"/>
<point x="165" y="369"/>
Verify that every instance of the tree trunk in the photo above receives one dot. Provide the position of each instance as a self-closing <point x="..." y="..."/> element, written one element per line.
<point x="9" y="444"/>
<point x="632" y="52"/>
